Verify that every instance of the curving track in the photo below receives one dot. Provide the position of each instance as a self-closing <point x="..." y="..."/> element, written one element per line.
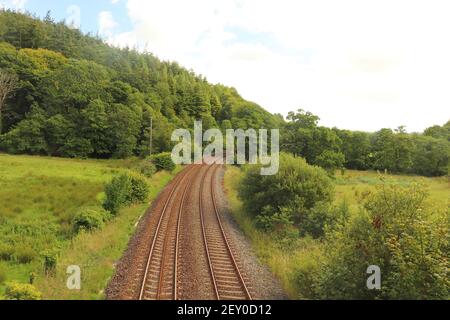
<point x="160" y="273"/>
<point x="227" y="279"/>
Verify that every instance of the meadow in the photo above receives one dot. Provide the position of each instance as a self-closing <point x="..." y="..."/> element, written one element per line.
<point x="350" y="187"/>
<point x="39" y="197"/>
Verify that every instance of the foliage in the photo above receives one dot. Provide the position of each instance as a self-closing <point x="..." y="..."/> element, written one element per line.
<point x="139" y="189"/>
<point x="331" y="161"/>
<point x="118" y="193"/>
<point x="40" y="197"/>
<point x="395" y="151"/>
<point x="97" y="252"/>
<point x="163" y="161"/>
<point x="327" y="268"/>
<point x="50" y="257"/>
<point x="18" y="291"/>
<point x="124" y="190"/>
<point x="397" y="232"/>
<point x="146" y="168"/>
<point x="289" y="196"/>
<point x="90" y="218"/>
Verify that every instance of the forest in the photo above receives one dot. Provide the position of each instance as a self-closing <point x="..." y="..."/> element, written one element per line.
<point x="75" y="96"/>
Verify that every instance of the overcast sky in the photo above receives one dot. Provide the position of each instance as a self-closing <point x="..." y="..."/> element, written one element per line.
<point x="358" y="64"/>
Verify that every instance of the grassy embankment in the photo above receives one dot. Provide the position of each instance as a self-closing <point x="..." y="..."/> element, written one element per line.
<point x="283" y="262"/>
<point x="39" y="197"/>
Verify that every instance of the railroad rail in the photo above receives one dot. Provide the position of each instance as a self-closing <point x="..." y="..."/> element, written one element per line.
<point x="227" y="279"/>
<point x="160" y="276"/>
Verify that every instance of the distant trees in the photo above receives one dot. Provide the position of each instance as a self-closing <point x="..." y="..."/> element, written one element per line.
<point x="393" y="150"/>
<point x="8" y="83"/>
<point x="439" y="132"/>
<point x="318" y="145"/>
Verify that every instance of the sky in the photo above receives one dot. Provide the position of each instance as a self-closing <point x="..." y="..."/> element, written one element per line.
<point x="358" y="64"/>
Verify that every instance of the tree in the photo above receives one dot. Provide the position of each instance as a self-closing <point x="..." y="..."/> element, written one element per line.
<point x="8" y="83"/>
<point x="303" y="137"/>
<point x="331" y="161"/>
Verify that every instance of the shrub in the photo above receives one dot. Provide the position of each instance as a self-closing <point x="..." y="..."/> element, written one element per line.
<point x="331" y="161"/>
<point x="90" y="219"/>
<point x="397" y="231"/>
<point x="50" y="261"/>
<point x="146" y="168"/>
<point x="290" y="194"/>
<point x="19" y="291"/>
<point x="125" y="190"/>
<point x="163" y="161"/>
<point x="139" y="189"/>
<point x="118" y="193"/>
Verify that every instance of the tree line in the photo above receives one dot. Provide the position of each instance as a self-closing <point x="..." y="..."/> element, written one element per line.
<point x="396" y="151"/>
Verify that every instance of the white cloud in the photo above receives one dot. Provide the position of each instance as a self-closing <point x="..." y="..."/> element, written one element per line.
<point x="13" y="4"/>
<point x="106" y="24"/>
<point x="359" y="64"/>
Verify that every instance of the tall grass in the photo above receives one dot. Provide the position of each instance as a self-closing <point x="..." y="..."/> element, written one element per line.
<point x="39" y="197"/>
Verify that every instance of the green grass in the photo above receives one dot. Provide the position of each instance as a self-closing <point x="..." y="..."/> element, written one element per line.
<point x="39" y="197"/>
<point x="354" y="184"/>
<point x="305" y="252"/>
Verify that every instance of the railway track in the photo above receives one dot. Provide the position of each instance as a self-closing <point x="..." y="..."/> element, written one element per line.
<point x="227" y="279"/>
<point x="160" y="275"/>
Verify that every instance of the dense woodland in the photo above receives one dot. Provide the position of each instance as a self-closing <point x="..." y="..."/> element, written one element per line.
<point x="79" y="97"/>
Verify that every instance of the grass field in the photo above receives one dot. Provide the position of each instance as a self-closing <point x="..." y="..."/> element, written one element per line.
<point x="353" y="184"/>
<point x="283" y="262"/>
<point x="39" y="197"/>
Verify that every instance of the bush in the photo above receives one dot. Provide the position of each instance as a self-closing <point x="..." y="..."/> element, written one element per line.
<point x="397" y="231"/>
<point x="118" y="193"/>
<point x="331" y="161"/>
<point x="50" y="261"/>
<point x="125" y="190"/>
<point x="163" y="161"/>
<point x="89" y="219"/>
<point x="139" y="189"/>
<point x="147" y="168"/>
<point x="18" y="291"/>
<point x="290" y="194"/>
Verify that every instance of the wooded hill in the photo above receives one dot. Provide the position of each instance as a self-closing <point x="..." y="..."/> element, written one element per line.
<point x="76" y="96"/>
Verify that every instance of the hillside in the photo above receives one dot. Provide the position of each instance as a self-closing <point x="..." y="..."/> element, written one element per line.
<point x="79" y="97"/>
